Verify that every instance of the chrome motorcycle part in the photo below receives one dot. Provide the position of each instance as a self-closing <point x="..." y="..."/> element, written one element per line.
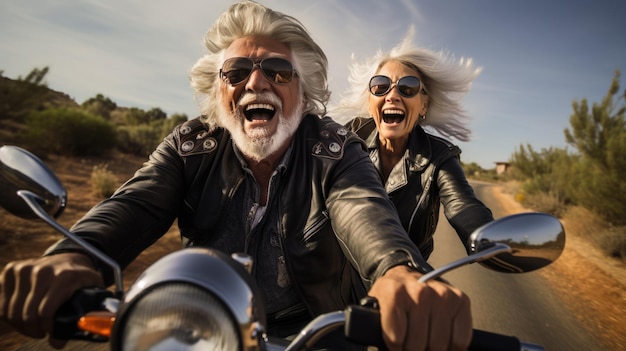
<point x="42" y="196"/>
<point x="21" y="170"/>
<point x="517" y="243"/>
<point x="316" y="329"/>
<point x="536" y="240"/>
<point x="179" y="316"/>
<point x="205" y="278"/>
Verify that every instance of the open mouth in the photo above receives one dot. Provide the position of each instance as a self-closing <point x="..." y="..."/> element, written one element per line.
<point x="393" y="116"/>
<point x="259" y="112"/>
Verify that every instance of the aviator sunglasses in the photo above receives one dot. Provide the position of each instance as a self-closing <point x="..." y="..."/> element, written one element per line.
<point x="237" y="69"/>
<point x="408" y="86"/>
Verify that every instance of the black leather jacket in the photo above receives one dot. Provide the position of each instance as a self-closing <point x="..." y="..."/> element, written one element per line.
<point x="334" y="214"/>
<point x="432" y="175"/>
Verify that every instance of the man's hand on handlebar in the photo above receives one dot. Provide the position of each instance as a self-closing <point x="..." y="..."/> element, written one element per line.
<point x="421" y="316"/>
<point x="31" y="291"/>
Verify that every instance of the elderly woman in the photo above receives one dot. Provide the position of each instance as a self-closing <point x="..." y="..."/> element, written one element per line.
<point x="403" y="91"/>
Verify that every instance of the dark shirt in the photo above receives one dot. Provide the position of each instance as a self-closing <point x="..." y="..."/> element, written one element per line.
<point x="253" y="229"/>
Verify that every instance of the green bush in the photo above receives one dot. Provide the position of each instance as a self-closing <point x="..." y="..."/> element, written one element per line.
<point x="138" y="139"/>
<point x="100" y="105"/>
<point x="548" y="171"/>
<point x="68" y="131"/>
<point x="599" y="135"/>
<point x="142" y="139"/>
<point x="24" y="94"/>
<point x="600" y="191"/>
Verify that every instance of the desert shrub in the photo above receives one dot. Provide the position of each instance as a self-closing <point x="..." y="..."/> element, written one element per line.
<point x="68" y="131"/>
<point x="135" y="116"/>
<point x="542" y="202"/>
<point x="142" y="139"/>
<point x="520" y="197"/>
<point x="600" y="190"/>
<point x="613" y="242"/>
<point x="598" y="132"/>
<point x="100" y="105"/>
<point x="138" y="139"/>
<point x="472" y="169"/>
<point x="103" y="181"/>
<point x="548" y="171"/>
<point x="168" y="124"/>
<point x="23" y="94"/>
<point x="475" y="171"/>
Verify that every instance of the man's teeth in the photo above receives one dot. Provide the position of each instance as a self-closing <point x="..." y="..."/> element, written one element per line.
<point x="259" y="112"/>
<point x="260" y="106"/>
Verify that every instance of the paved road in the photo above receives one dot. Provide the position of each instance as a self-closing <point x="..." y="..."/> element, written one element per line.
<point x="523" y="305"/>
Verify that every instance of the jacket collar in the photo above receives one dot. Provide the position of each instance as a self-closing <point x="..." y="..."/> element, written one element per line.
<point x="419" y="150"/>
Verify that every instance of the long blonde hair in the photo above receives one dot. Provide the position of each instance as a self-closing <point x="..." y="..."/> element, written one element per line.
<point x="446" y="81"/>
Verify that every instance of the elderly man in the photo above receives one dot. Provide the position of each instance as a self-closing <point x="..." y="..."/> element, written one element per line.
<point x="259" y="172"/>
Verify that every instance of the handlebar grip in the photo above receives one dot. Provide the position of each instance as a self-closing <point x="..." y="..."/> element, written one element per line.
<point x="363" y="327"/>
<point x="488" y="341"/>
<point x="67" y="316"/>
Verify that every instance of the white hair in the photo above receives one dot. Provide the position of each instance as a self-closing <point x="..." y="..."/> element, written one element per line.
<point x="445" y="80"/>
<point x="248" y="18"/>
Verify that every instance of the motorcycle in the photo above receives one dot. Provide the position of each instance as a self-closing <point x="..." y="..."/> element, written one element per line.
<point x="202" y="299"/>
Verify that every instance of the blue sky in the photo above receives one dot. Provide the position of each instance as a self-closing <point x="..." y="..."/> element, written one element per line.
<point x="537" y="56"/>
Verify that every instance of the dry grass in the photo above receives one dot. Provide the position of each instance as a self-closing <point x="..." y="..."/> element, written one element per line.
<point x="591" y="284"/>
<point x="511" y="188"/>
<point x="611" y="240"/>
<point x="103" y="181"/>
<point x="583" y="222"/>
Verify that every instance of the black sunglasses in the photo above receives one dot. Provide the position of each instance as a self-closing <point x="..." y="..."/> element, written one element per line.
<point x="408" y="86"/>
<point x="237" y="69"/>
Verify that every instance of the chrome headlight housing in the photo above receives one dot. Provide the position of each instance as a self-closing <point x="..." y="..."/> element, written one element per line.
<point x="192" y="299"/>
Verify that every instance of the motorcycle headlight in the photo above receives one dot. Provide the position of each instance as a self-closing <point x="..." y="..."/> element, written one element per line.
<point x="179" y="317"/>
<point x="192" y="299"/>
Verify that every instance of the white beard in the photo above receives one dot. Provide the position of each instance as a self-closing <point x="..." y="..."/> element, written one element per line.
<point x="259" y="144"/>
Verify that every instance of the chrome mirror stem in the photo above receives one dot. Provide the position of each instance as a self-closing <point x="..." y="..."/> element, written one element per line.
<point x="482" y="255"/>
<point x="31" y="199"/>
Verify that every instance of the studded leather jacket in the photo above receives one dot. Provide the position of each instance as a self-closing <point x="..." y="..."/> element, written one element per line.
<point x="336" y="222"/>
<point x="430" y="175"/>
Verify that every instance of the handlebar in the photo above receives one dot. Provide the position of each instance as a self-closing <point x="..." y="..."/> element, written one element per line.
<point x="67" y="317"/>
<point x="362" y="325"/>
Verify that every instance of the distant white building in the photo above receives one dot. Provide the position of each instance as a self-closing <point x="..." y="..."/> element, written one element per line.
<point x="501" y="167"/>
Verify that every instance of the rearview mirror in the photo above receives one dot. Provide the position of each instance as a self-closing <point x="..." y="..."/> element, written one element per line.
<point x="536" y="240"/>
<point x="21" y="170"/>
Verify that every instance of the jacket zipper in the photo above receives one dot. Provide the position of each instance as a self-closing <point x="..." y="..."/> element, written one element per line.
<point x="316" y="226"/>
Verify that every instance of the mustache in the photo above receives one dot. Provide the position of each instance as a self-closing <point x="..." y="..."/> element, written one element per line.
<point x="264" y="97"/>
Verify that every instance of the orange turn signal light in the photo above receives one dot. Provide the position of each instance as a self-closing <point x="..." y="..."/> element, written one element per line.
<point x="99" y="323"/>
